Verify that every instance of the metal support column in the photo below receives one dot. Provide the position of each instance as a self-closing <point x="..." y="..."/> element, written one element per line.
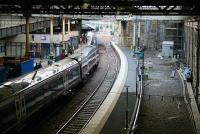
<point x="189" y="64"/>
<point x="138" y="44"/>
<point x="134" y="36"/>
<point x="68" y="25"/>
<point x="127" y="109"/>
<point x="27" y="47"/>
<point x="63" y="30"/>
<point x="188" y="44"/>
<point x="51" y="30"/>
<point x="79" y="26"/>
<point x="185" y="41"/>
<point x="120" y="32"/>
<point x="192" y="50"/>
<point x="51" y="38"/>
<point x="198" y="62"/>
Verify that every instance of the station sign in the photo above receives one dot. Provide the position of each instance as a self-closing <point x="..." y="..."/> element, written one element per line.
<point x="140" y="55"/>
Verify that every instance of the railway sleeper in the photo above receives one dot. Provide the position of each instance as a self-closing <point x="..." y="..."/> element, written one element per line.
<point x="87" y="112"/>
<point x="98" y="97"/>
<point x="101" y="96"/>
<point x="105" y="90"/>
<point x="78" y="121"/>
<point x="77" y="124"/>
<point x="95" y="104"/>
<point x="111" y="77"/>
<point x="107" y="82"/>
<point x="71" y="131"/>
<point x="74" y="127"/>
<point x="89" y="108"/>
<point x="95" y="101"/>
<point x="75" y="131"/>
<point x="85" y="116"/>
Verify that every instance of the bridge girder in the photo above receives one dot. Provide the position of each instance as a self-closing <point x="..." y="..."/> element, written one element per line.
<point x="102" y="7"/>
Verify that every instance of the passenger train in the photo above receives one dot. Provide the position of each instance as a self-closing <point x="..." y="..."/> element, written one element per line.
<point x="23" y="96"/>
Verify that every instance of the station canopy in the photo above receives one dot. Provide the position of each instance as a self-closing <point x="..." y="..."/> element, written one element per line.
<point x="102" y="7"/>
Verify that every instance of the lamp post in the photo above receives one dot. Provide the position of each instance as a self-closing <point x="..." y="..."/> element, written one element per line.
<point x="33" y="49"/>
<point x="127" y="107"/>
<point x="33" y="46"/>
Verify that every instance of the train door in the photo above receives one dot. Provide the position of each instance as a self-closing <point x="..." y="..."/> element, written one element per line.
<point x="20" y="106"/>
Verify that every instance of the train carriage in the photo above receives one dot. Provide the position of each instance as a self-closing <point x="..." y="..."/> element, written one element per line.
<point x="24" y="96"/>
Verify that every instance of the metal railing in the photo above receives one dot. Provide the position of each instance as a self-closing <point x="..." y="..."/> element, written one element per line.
<point x="14" y="30"/>
<point x="139" y="90"/>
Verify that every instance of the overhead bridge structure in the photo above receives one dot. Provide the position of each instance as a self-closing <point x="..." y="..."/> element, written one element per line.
<point x="102" y="7"/>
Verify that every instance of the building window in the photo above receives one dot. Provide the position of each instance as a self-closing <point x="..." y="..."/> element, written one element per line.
<point x="2" y="48"/>
<point x="14" y="49"/>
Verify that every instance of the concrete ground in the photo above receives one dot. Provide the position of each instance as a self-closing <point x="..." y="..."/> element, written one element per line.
<point x="163" y="110"/>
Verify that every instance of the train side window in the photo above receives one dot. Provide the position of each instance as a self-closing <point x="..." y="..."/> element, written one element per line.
<point x="46" y="86"/>
<point x="78" y="70"/>
<point x="75" y="72"/>
<point x="60" y="81"/>
<point x="66" y="76"/>
<point x="54" y="83"/>
<point x="34" y="93"/>
<point x="70" y="75"/>
<point x="92" y="55"/>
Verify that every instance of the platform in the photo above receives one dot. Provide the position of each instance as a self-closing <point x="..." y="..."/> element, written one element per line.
<point x="116" y="122"/>
<point x="163" y="109"/>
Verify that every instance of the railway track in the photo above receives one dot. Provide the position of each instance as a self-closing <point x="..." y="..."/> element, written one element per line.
<point x="83" y="115"/>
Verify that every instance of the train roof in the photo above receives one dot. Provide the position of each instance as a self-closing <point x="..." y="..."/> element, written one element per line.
<point x="22" y="83"/>
<point x="83" y="52"/>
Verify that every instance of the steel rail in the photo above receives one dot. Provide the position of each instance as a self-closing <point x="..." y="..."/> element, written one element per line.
<point x="85" y="104"/>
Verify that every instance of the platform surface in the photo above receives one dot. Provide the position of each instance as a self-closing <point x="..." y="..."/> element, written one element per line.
<point x="116" y="122"/>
